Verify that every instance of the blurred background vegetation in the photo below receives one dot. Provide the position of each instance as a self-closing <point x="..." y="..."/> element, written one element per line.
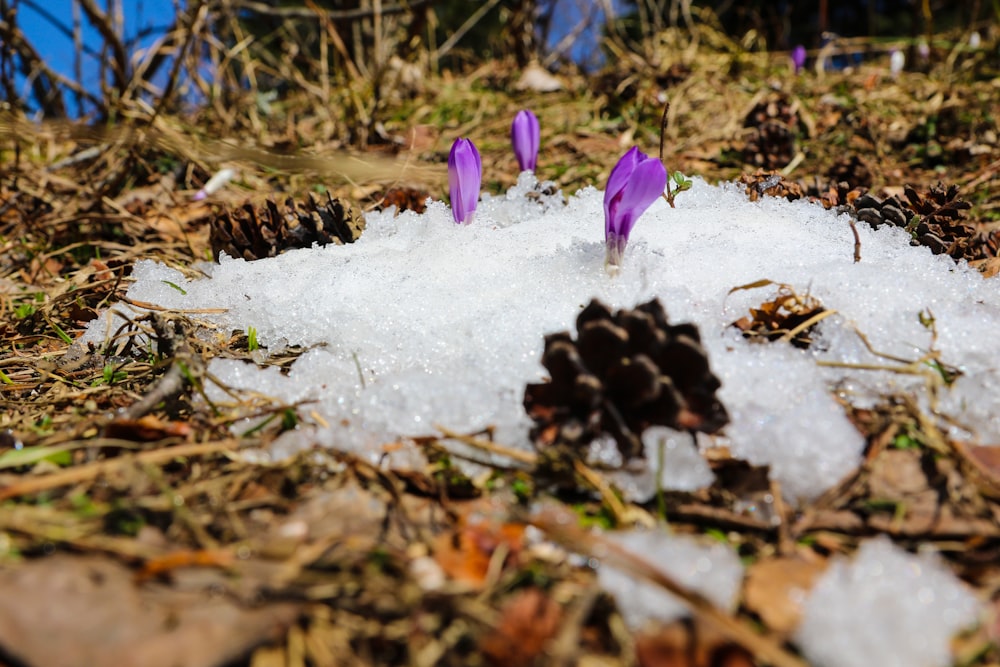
<point x="276" y="87"/>
<point x="214" y="51"/>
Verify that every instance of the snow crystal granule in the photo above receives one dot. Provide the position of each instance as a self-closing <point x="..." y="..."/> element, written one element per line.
<point x="886" y="608"/>
<point x="714" y="570"/>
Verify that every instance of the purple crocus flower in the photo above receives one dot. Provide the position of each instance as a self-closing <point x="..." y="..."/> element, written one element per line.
<point x="799" y="58"/>
<point x="465" y="175"/>
<point x="634" y="184"/>
<point x="525" y="136"/>
<point x="923" y="49"/>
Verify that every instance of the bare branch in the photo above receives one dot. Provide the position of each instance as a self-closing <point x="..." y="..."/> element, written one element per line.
<point x="119" y="60"/>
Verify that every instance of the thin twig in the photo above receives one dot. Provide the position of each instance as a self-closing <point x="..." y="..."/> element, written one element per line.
<point x="669" y="196"/>
<point x="857" y="240"/>
<point x="186" y="367"/>
<point x="489" y="446"/>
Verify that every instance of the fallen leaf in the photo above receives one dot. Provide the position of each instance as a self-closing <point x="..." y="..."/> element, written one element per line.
<point x="527" y="622"/>
<point x="984" y="467"/>
<point x="81" y="610"/>
<point x="688" y="644"/>
<point x="146" y="429"/>
<point x="163" y="565"/>
<point x="466" y="552"/>
<point x="775" y="588"/>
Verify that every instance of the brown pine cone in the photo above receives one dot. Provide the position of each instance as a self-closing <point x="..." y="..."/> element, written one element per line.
<point x="624" y="373"/>
<point x="269" y="230"/>
<point x="936" y="218"/>
<point x="771" y="184"/>
<point x="877" y="212"/>
<point x="772" y="125"/>
<point x="404" y="199"/>
<point x="853" y="171"/>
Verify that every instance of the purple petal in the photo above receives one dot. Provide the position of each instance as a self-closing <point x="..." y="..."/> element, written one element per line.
<point x="465" y="176"/>
<point x="799" y="57"/>
<point x="620" y="174"/>
<point x="525" y="136"/>
<point x="645" y="185"/>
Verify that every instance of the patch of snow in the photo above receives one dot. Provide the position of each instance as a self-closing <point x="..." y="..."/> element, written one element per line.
<point x="424" y="322"/>
<point x="713" y="570"/>
<point x="885" y="607"/>
<point x="682" y="467"/>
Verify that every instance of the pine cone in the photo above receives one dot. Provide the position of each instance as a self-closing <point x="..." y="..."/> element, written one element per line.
<point x="269" y="230"/>
<point x="771" y="184"/>
<point x="623" y="373"/>
<point x="404" y="199"/>
<point x="773" y="123"/>
<point x="877" y="212"/>
<point x="936" y="219"/>
<point x="853" y="171"/>
<point x="939" y="205"/>
<point x="839" y="195"/>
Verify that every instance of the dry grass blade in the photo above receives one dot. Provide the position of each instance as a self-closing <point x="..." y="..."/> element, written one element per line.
<point x="91" y="471"/>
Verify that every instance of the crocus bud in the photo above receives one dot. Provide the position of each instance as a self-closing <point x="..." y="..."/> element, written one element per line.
<point x="975" y="40"/>
<point x="525" y="136"/>
<point x="634" y="184"/>
<point x="923" y="49"/>
<point x="799" y="58"/>
<point x="896" y="61"/>
<point x="465" y="175"/>
<point x="215" y="183"/>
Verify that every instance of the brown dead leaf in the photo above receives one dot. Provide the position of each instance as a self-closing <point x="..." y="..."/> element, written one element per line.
<point x="982" y="467"/>
<point x="157" y="567"/>
<point x="82" y="611"/>
<point x="689" y="644"/>
<point x="788" y="316"/>
<point x="775" y="588"/>
<point x="897" y="475"/>
<point x="422" y="137"/>
<point x="146" y="429"/>
<point x="989" y="267"/>
<point x="467" y="552"/>
<point x="527" y="622"/>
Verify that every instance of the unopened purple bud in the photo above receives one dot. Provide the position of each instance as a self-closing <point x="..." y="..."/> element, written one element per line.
<point x="525" y="136"/>
<point x="634" y="184"/>
<point x="799" y="58"/>
<point x="215" y="183"/>
<point x="465" y="176"/>
<point x="923" y="50"/>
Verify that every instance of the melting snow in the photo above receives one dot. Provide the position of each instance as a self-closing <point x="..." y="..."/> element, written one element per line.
<point x="885" y="607"/>
<point x="425" y="322"/>
<point x="713" y="570"/>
